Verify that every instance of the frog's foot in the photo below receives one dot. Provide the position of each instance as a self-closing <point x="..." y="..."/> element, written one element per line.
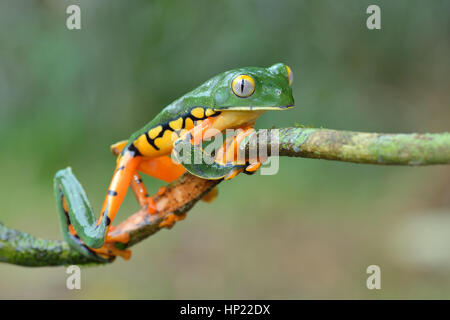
<point x="252" y="167"/>
<point x="211" y="195"/>
<point x="122" y="237"/>
<point x="170" y="220"/>
<point x="109" y="248"/>
<point x="249" y="169"/>
<point x="150" y="205"/>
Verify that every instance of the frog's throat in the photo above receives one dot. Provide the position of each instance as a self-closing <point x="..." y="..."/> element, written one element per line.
<point x="252" y="108"/>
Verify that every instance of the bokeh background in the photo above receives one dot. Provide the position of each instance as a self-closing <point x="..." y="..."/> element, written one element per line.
<point x="308" y="232"/>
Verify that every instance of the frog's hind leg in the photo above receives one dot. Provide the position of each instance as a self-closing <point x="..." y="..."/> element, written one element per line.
<point x="162" y="168"/>
<point x="127" y="164"/>
<point x="165" y="169"/>
<point x="72" y="237"/>
<point x="78" y="222"/>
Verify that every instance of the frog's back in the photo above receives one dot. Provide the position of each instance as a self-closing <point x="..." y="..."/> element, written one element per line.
<point x="156" y="137"/>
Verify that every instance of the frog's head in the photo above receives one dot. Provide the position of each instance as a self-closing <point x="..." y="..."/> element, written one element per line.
<point x="254" y="88"/>
<point x="250" y="88"/>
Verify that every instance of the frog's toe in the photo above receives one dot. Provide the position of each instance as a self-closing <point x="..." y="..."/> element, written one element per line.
<point x="171" y="219"/>
<point x="151" y="205"/>
<point x="109" y="251"/>
<point x="233" y="174"/>
<point x="122" y="237"/>
<point x="253" y="167"/>
<point x="211" y="195"/>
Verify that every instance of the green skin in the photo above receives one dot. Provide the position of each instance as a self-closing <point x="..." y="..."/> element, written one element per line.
<point x="272" y="92"/>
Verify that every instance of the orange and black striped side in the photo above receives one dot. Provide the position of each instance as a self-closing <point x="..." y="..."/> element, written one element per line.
<point x="158" y="140"/>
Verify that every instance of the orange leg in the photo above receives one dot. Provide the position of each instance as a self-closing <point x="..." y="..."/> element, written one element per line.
<point x="136" y="184"/>
<point x="141" y="193"/>
<point x="126" y="167"/>
<point x="162" y="168"/>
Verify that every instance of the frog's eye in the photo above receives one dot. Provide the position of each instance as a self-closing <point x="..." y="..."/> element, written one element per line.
<point x="290" y="75"/>
<point x="243" y="86"/>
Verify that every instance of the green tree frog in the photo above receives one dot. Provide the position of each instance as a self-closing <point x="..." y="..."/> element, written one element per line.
<point x="231" y="100"/>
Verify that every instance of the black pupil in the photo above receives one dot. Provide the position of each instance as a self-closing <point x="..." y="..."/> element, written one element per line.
<point x="242" y="85"/>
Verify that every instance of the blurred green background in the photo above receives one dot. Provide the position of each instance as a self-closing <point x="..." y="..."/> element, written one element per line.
<point x="308" y="232"/>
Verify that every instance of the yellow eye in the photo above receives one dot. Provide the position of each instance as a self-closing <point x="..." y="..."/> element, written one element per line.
<point x="243" y="86"/>
<point x="290" y="75"/>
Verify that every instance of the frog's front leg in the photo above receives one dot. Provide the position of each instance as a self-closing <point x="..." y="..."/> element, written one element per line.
<point x="227" y="162"/>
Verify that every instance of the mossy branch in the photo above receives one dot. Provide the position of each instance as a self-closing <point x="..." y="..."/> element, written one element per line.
<point x="412" y="149"/>
<point x="179" y="197"/>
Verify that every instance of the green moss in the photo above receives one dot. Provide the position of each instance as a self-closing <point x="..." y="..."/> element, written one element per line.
<point x="23" y="249"/>
<point x="411" y="149"/>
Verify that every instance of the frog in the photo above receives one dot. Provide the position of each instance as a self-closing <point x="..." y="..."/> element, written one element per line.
<point x="234" y="99"/>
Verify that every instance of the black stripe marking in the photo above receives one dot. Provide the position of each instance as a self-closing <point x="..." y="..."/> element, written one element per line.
<point x="152" y="141"/>
<point x="133" y="150"/>
<point x="215" y="114"/>
<point x="120" y="168"/>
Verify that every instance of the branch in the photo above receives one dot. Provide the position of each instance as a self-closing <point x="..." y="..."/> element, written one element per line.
<point x="21" y="248"/>
<point x="412" y="149"/>
<point x="179" y="197"/>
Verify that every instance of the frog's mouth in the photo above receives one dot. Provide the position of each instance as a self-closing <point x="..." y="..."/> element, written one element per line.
<point x="252" y="108"/>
